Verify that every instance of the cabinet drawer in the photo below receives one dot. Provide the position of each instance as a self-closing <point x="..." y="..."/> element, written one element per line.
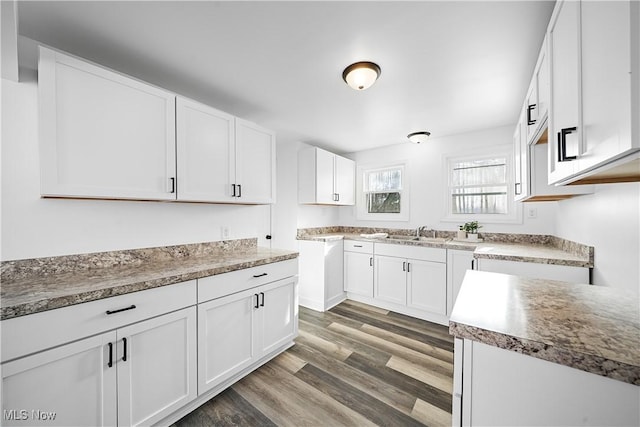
<point x="357" y="246"/>
<point x="229" y="283"/>
<point x="39" y="331"/>
<point x="415" y="252"/>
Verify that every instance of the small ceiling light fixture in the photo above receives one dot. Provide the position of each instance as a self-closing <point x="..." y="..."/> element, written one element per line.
<point x="361" y="75"/>
<point x="418" y="137"/>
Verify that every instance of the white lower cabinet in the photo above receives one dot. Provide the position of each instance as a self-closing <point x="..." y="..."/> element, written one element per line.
<point x="321" y="274"/>
<point x="498" y="387"/>
<point x="358" y="268"/>
<point x="156" y="368"/>
<point x="131" y="376"/>
<point x="238" y="330"/>
<point x="390" y="279"/>
<point x="411" y="280"/>
<point x="427" y="286"/>
<point x="71" y="385"/>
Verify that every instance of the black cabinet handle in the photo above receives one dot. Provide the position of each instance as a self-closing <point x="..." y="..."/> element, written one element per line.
<point x="562" y="144"/>
<point x="257" y="301"/>
<point x="337" y="197"/>
<point x="408" y="267"/>
<point x="404" y="266"/>
<point x="259" y="275"/>
<point x="268" y="237"/>
<point x="262" y="299"/>
<point x="233" y="190"/>
<point x="370" y="261"/>
<point x="131" y="307"/>
<point x="473" y="264"/>
<point x="124" y="353"/>
<point x="239" y="190"/>
<point x="173" y="185"/>
<point x="518" y="188"/>
<point x="530" y="121"/>
<point x="110" y="364"/>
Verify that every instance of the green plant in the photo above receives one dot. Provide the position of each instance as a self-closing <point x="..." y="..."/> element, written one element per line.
<point x="471" y="227"/>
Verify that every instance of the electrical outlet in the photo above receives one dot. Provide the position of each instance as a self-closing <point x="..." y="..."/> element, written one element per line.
<point x="224" y="232"/>
<point x="532" y="213"/>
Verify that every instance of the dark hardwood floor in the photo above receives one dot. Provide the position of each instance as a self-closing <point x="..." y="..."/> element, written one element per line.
<point x="354" y="365"/>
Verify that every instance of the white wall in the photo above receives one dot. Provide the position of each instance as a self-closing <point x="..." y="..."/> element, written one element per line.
<point x="427" y="181"/>
<point x="608" y="220"/>
<point x="35" y="227"/>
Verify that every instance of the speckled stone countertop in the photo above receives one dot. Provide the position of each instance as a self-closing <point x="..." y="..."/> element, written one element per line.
<point x="31" y="286"/>
<point x="534" y="248"/>
<point x="592" y="328"/>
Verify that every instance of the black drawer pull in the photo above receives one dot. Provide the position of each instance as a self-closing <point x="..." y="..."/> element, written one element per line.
<point x="131" y="307"/>
<point x="259" y="275"/>
<point x="110" y="364"/>
<point x="124" y="354"/>
<point x="357" y="246"/>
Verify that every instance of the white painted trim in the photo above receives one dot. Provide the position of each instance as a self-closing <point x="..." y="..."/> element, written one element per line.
<point x="9" y="37"/>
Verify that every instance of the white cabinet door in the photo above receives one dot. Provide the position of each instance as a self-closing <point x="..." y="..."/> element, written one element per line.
<point x="103" y="134"/>
<point x="325" y="173"/>
<point x="564" y="124"/>
<point x="358" y="273"/>
<point x="255" y="166"/>
<point x="156" y="367"/>
<point x="427" y="286"/>
<point x="390" y="279"/>
<point x="205" y="147"/>
<point x="537" y="102"/>
<point x="458" y="262"/>
<point x="606" y="82"/>
<point x="276" y="320"/>
<point x="226" y="338"/>
<point x="71" y="385"/>
<point x="520" y="151"/>
<point x="345" y="172"/>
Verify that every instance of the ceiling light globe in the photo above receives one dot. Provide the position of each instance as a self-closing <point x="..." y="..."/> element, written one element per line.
<point x="419" y="137"/>
<point x="361" y="75"/>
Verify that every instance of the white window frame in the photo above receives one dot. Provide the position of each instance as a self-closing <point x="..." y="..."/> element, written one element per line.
<point x="361" y="200"/>
<point x="514" y="210"/>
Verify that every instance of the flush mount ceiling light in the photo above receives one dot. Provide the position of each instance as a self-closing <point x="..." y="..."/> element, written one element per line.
<point x="418" y="137"/>
<point x="361" y="75"/>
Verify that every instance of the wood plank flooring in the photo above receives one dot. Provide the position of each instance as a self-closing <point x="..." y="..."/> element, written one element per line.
<point x="355" y="365"/>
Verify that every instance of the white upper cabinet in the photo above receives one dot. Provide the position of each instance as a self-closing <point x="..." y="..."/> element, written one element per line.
<point x="255" y="164"/>
<point x="102" y="134"/>
<point x="537" y="102"/>
<point x="564" y="126"/>
<point x="325" y="178"/>
<point x="595" y="95"/>
<point x="205" y="144"/>
<point x="520" y="168"/>
<point x="106" y="135"/>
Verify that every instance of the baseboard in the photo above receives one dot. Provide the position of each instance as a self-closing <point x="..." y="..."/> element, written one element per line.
<point x="311" y="303"/>
<point x="335" y="301"/>
<point x="208" y="395"/>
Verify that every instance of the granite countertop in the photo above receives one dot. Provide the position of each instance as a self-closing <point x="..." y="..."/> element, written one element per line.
<point x="553" y="251"/>
<point x="31" y="290"/>
<point x="592" y="328"/>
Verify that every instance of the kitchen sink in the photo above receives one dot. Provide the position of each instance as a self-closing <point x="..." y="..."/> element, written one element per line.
<point x="418" y="239"/>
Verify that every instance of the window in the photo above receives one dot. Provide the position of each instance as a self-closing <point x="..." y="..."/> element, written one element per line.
<point x="382" y="193"/>
<point x="479" y="188"/>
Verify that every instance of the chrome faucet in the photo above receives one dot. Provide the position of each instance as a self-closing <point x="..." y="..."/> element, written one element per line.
<point x="422" y="228"/>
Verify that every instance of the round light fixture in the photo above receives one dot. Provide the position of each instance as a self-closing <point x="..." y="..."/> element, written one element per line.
<point x="361" y="75"/>
<point x="418" y="137"/>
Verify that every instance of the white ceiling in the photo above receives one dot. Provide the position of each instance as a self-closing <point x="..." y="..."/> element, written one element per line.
<point x="447" y="67"/>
